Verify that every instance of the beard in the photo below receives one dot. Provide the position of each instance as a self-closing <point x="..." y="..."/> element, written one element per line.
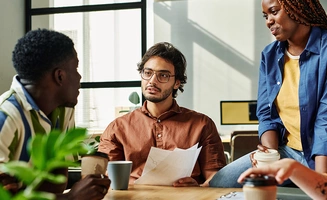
<point x="163" y="95"/>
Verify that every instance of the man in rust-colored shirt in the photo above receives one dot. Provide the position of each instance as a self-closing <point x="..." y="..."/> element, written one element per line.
<point x="161" y="123"/>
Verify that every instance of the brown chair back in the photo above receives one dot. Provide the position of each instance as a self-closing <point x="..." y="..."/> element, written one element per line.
<point x="243" y="142"/>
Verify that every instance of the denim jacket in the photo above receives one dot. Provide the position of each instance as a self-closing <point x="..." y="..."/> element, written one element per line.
<point x="312" y="93"/>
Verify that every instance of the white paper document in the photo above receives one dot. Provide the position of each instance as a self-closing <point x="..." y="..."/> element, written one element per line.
<point x="163" y="167"/>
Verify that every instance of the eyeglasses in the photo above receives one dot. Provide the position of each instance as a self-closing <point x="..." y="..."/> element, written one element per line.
<point x="162" y="76"/>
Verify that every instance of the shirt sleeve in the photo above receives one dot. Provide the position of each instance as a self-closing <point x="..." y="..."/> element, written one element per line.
<point x="109" y="143"/>
<point x="212" y="153"/>
<point x="8" y="139"/>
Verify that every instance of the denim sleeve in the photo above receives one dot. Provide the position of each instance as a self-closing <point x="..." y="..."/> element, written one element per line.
<point x="319" y="143"/>
<point x="263" y="105"/>
<point x="319" y="146"/>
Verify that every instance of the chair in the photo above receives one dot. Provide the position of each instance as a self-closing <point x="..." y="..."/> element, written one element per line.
<point x="227" y="156"/>
<point x="243" y="142"/>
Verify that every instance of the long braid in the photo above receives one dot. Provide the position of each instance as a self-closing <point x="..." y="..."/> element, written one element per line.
<point x="308" y="12"/>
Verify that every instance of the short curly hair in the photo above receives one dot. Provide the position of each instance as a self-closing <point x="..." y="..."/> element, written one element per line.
<point x="39" y="51"/>
<point x="172" y="55"/>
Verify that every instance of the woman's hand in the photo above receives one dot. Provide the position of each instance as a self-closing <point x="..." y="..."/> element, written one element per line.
<point x="281" y="170"/>
<point x="260" y="148"/>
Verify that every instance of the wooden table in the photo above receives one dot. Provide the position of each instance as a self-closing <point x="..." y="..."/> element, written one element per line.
<point x="148" y="192"/>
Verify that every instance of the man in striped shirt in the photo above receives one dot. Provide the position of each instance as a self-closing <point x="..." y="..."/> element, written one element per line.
<point x="42" y="98"/>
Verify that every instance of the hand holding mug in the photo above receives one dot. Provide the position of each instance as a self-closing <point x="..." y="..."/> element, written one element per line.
<point x="264" y="155"/>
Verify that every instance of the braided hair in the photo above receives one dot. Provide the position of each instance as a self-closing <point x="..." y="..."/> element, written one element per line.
<point x="307" y="12"/>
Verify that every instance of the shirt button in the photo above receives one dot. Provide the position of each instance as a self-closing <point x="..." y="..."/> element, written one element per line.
<point x="278" y="83"/>
<point x="308" y="53"/>
<point x="159" y="135"/>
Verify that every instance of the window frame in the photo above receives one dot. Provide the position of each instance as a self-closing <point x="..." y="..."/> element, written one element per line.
<point x="29" y="12"/>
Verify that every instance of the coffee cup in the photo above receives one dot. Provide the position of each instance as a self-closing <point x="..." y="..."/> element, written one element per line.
<point x="119" y="173"/>
<point x="260" y="188"/>
<point x="266" y="158"/>
<point x="94" y="164"/>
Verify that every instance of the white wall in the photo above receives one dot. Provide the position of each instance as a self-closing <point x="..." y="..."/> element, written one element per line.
<point x="12" y="28"/>
<point x="222" y="41"/>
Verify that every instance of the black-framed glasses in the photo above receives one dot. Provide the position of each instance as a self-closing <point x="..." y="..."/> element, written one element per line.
<point x="162" y="76"/>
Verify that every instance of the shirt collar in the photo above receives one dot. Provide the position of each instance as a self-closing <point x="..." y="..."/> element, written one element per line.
<point x="22" y="93"/>
<point x="313" y="44"/>
<point x="174" y="109"/>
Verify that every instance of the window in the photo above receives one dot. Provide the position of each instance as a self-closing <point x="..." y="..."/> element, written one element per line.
<point x="110" y="38"/>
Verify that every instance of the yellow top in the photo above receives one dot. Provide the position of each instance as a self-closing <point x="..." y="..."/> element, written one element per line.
<point x="287" y="101"/>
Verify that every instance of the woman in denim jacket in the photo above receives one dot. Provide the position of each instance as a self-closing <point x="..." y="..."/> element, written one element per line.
<point x="292" y="94"/>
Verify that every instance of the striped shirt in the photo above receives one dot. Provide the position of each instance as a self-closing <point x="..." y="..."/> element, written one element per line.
<point x="21" y="118"/>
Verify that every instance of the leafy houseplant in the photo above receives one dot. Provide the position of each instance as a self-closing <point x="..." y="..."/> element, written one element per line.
<point x="47" y="152"/>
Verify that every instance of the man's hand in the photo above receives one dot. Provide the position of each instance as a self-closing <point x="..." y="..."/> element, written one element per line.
<point x="92" y="187"/>
<point x="185" y="182"/>
<point x="9" y="183"/>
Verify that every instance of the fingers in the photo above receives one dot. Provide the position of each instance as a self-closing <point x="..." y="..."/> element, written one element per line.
<point x="93" y="186"/>
<point x="99" y="180"/>
<point x="9" y="183"/>
<point x="184" y="182"/>
<point x="251" y="172"/>
<point x="262" y="148"/>
<point x="13" y="187"/>
<point x="103" y="190"/>
<point x="243" y="175"/>
<point x="253" y="161"/>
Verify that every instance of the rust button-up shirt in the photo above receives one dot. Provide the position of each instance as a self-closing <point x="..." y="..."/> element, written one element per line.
<point x="131" y="136"/>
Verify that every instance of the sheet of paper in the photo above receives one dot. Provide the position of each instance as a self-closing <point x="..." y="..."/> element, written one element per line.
<point x="163" y="167"/>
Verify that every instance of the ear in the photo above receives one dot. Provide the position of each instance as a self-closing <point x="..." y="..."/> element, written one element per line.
<point x="59" y="76"/>
<point x="177" y="84"/>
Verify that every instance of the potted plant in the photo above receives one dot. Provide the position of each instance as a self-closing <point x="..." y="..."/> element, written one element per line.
<point x="134" y="98"/>
<point x="47" y="153"/>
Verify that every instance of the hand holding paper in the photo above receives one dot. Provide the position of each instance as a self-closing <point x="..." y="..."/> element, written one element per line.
<point x="163" y="167"/>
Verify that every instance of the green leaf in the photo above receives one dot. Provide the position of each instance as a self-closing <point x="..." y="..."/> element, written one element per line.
<point x="57" y="179"/>
<point x="38" y="151"/>
<point x="4" y="194"/>
<point x="54" y="164"/>
<point x="97" y="138"/>
<point x="50" y="144"/>
<point x="134" y="98"/>
<point x="74" y="136"/>
<point x="20" y="170"/>
<point x="34" y="195"/>
<point x="20" y="196"/>
<point x="63" y="152"/>
<point x="66" y="143"/>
